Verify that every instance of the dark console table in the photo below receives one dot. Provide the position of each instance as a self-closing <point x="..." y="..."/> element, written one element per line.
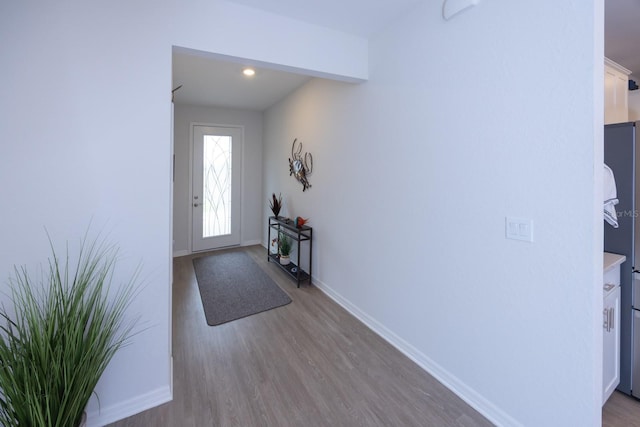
<point x="298" y="234"/>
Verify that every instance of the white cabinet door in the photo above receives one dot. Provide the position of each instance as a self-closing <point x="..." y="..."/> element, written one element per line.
<point x="611" y="343"/>
<point x="616" y="93"/>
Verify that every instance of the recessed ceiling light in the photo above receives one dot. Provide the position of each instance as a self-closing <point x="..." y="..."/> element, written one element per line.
<point x="249" y="72"/>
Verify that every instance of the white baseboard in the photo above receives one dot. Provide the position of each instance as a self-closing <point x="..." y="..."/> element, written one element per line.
<point x="466" y="393"/>
<point x="251" y="243"/>
<point x="126" y="409"/>
<point x="181" y="253"/>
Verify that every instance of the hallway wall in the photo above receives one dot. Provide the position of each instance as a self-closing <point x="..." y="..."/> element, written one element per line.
<point x="462" y="123"/>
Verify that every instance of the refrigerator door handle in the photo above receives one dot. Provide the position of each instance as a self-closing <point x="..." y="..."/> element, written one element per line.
<point x="612" y="322"/>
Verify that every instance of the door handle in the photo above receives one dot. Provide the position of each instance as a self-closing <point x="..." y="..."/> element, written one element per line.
<point x="612" y="323"/>
<point x="609" y="316"/>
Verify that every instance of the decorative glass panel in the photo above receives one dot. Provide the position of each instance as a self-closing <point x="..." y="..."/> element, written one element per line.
<point x="216" y="186"/>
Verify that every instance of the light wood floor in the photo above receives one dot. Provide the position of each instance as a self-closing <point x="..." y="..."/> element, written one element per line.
<point x="309" y="363"/>
<point x="621" y="411"/>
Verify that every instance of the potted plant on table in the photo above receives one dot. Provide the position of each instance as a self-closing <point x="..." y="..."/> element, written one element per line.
<point x="63" y="330"/>
<point x="284" y="243"/>
<point x="275" y="204"/>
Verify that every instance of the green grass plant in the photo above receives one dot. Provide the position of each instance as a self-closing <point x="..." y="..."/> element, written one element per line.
<point x="63" y="330"/>
<point x="285" y="244"/>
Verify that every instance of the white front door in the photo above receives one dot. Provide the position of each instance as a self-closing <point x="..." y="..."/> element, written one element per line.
<point x="216" y="187"/>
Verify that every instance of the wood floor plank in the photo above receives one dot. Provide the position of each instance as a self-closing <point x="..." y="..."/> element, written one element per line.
<point x="621" y="411"/>
<point x="309" y="363"/>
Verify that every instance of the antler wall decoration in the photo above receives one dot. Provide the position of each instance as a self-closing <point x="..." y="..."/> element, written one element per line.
<point x="300" y="166"/>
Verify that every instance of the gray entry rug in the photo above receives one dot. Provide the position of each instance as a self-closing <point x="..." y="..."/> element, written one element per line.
<point x="232" y="286"/>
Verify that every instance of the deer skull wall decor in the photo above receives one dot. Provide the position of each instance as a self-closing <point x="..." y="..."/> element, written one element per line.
<point x="300" y="166"/>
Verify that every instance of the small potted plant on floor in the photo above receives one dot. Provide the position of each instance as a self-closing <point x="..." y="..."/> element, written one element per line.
<point x="284" y="242"/>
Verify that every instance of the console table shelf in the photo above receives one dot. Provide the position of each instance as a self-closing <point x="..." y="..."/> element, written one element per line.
<point x="298" y="234"/>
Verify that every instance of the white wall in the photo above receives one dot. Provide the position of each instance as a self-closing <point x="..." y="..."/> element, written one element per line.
<point x="251" y="198"/>
<point x="85" y="119"/>
<point x="415" y="171"/>
<point x="84" y="125"/>
<point x="229" y="29"/>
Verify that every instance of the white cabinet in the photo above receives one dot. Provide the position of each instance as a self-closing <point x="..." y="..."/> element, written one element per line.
<point x="611" y="324"/>
<point x="616" y="92"/>
<point x="611" y="341"/>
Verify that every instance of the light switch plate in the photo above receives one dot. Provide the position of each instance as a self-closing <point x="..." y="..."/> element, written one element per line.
<point x="519" y="228"/>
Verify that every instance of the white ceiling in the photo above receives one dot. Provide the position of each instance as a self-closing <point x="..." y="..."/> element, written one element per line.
<point x="208" y="81"/>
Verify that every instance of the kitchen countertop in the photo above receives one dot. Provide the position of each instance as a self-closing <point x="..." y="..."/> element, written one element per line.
<point x="612" y="260"/>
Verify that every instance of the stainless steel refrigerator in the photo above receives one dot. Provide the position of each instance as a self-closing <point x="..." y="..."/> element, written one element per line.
<point x="622" y="155"/>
